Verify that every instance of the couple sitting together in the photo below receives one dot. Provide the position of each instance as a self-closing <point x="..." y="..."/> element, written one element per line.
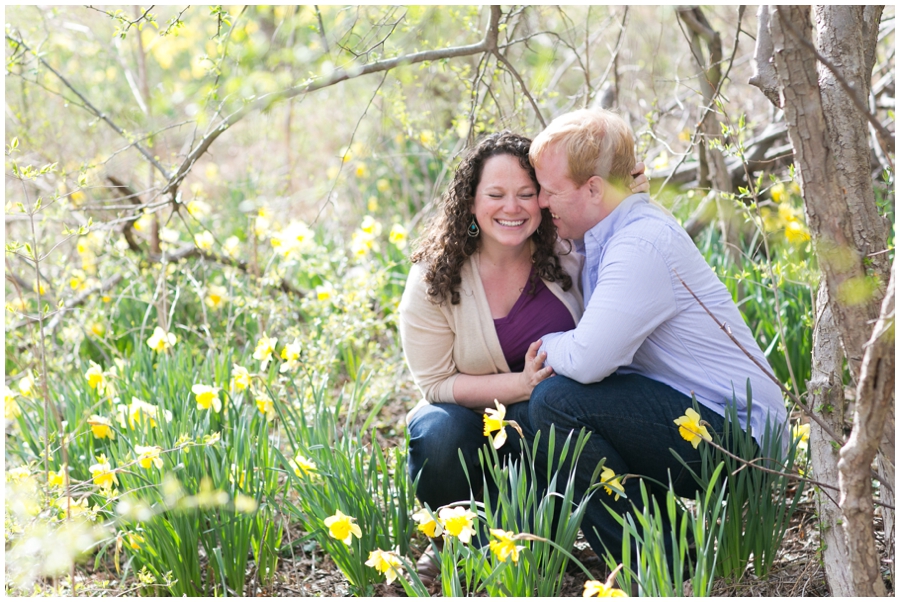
<point x="548" y="284"/>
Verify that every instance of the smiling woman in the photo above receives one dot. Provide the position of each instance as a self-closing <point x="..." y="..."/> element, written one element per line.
<point x="486" y="282"/>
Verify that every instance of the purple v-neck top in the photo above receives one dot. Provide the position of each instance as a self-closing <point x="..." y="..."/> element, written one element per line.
<point x="533" y="316"/>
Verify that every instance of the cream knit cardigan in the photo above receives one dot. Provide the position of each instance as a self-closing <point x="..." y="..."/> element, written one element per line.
<point x="440" y="342"/>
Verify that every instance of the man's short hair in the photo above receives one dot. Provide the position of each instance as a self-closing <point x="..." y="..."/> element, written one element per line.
<point x="597" y="143"/>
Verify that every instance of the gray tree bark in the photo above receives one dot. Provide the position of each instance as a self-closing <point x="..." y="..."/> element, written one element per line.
<point x="826" y="397"/>
<point x="874" y="395"/>
<point x="847" y="232"/>
<point x="846" y="37"/>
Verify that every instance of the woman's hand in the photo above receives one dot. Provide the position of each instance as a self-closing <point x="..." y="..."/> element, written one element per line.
<point x="534" y="371"/>
<point x="641" y="182"/>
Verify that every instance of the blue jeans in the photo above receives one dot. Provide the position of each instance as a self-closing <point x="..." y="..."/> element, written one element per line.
<point x="631" y="420"/>
<point x="437" y="433"/>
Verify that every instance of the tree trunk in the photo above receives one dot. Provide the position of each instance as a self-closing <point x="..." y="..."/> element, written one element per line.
<point x="826" y="396"/>
<point x="874" y="395"/>
<point x="824" y="127"/>
<point x="846" y="37"/>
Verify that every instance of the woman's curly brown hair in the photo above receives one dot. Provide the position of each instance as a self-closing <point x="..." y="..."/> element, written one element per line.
<point x="446" y="244"/>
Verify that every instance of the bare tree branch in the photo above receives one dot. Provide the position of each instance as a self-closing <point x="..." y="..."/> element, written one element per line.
<point x="487" y="44"/>
<point x="97" y="112"/>
<point x="764" y="76"/>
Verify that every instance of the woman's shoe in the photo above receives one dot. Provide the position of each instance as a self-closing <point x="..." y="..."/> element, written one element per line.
<point x="427" y="567"/>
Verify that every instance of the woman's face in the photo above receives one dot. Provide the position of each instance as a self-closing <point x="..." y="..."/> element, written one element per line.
<point x="506" y="203"/>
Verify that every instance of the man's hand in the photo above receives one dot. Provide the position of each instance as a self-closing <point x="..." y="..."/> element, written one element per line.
<point x="534" y="371"/>
<point x="641" y="182"/>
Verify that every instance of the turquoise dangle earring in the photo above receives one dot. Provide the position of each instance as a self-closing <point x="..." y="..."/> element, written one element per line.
<point x="473" y="230"/>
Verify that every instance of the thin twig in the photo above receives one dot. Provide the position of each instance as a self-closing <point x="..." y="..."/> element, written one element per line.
<point x="796" y="399"/>
<point x="97" y="112"/>
<point x="344" y="156"/>
<point x="511" y="69"/>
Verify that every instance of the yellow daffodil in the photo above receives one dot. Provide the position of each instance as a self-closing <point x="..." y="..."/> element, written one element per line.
<point x="361" y="170"/>
<point x="290" y="354"/>
<point x="95" y="378"/>
<point x="372" y="204"/>
<point x="261" y="225"/>
<point x="26" y="385"/>
<point x="383" y="185"/>
<point x="427" y="523"/>
<point x="142" y="224"/>
<point x="324" y="292"/>
<point x="198" y="209"/>
<point x="795" y="232"/>
<point x="11" y="409"/>
<point x="17" y="474"/>
<point x="361" y="243"/>
<point x="216" y="296"/>
<point x="265" y="406"/>
<point x="601" y="590"/>
<point x="77" y="281"/>
<point x="343" y="527"/>
<point x="397" y="237"/>
<point x="204" y="240"/>
<point x="169" y="235"/>
<point x="370" y="225"/>
<point x="494" y="420"/>
<point x="134" y="540"/>
<point x="265" y="347"/>
<point x="801" y="431"/>
<point x="148" y="456"/>
<point x="504" y="546"/>
<point x="457" y="521"/>
<point x="386" y="563"/>
<point x="303" y="466"/>
<point x="240" y="378"/>
<point x="160" y="340"/>
<point x="58" y="479"/>
<point x="74" y="507"/>
<point x="102" y="474"/>
<point x="207" y="396"/>
<point x="690" y="429"/>
<point x="608" y="477"/>
<point x="244" y="504"/>
<point x="232" y="246"/>
<point x="101" y="427"/>
<point x="137" y="410"/>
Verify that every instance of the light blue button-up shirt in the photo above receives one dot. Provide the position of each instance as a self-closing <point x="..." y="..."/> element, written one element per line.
<point x="640" y="319"/>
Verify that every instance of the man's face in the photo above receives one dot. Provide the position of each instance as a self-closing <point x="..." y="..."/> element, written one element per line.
<point x="573" y="213"/>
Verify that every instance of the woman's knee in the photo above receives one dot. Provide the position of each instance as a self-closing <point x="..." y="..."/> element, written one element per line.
<point x="437" y="431"/>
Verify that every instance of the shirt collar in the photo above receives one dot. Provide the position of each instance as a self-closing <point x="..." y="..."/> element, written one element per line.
<point x="605" y="228"/>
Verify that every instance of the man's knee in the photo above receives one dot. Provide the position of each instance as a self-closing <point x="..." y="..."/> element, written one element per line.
<point x="550" y="400"/>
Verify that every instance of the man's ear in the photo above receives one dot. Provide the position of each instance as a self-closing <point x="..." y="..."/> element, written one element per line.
<point x="597" y="186"/>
